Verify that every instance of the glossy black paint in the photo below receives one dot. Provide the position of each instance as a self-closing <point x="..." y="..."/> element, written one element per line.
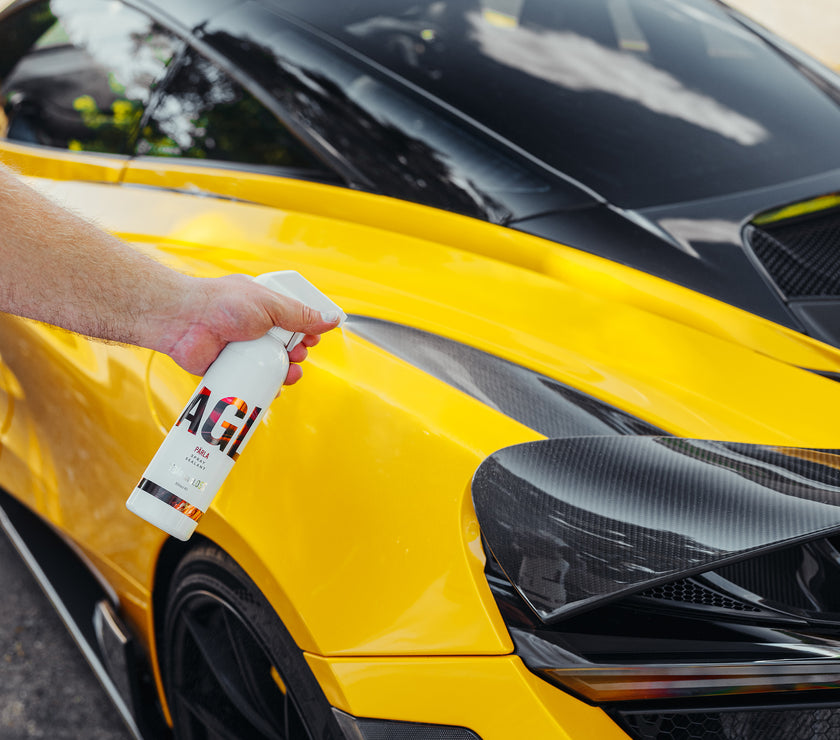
<point x="645" y="103"/>
<point x="576" y="523"/>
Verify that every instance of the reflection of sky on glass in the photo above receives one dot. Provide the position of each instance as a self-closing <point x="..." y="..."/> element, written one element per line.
<point x="180" y="115"/>
<point x="579" y="63"/>
<point x="174" y="121"/>
<point x="120" y="39"/>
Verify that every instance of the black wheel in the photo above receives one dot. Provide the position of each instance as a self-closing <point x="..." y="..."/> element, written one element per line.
<point x="230" y="667"/>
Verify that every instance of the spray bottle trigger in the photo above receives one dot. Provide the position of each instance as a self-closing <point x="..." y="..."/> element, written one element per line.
<point x="294" y="285"/>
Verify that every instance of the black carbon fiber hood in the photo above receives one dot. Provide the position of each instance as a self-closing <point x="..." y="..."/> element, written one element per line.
<point x="575" y="523"/>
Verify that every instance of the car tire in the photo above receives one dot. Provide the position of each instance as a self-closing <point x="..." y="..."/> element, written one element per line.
<point x="230" y="668"/>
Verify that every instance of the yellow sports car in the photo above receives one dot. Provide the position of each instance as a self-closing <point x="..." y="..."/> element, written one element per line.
<point x="566" y="472"/>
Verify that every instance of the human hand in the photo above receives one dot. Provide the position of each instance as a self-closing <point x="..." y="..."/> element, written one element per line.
<point x="60" y="269"/>
<point x="215" y="311"/>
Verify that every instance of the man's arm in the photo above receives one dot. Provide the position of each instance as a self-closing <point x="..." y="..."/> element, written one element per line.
<point x="58" y="268"/>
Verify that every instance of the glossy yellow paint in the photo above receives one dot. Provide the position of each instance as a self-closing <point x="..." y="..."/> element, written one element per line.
<point x="813" y="205"/>
<point x="655" y="367"/>
<point x="358" y="404"/>
<point x="342" y="533"/>
<point x="607" y="336"/>
<point x="498" y="698"/>
<point x="350" y="508"/>
<point x="590" y="273"/>
<point x="58" y="164"/>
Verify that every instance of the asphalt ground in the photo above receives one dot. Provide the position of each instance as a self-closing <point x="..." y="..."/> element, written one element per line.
<point x="47" y="689"/>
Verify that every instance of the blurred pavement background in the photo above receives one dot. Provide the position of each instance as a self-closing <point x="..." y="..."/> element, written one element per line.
<point x="47" y="689"/>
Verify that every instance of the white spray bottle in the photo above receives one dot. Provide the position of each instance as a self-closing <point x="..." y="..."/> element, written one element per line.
<point x="210" y="433"/>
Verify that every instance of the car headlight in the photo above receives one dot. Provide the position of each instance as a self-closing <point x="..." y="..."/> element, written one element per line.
<point x="656" y="574"/>
<point x="631" y="683"/>
<point x="576" y="522"/>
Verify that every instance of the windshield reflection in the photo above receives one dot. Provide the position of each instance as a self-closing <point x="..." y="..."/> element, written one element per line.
<point x="579" y="63"/>
<point x="77" y="74"/>
<point x="645" y="102"/>
<point x="391" y="141"/>
<point x="123" y="41"/>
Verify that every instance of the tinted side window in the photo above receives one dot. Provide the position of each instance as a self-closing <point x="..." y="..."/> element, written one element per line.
<point x="383" y="136"/>
<point x="78" y="75"/>
<point x="204" y="114"/>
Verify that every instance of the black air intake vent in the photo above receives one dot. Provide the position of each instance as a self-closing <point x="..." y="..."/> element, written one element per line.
<point x="757" y="724"/>
<point x="801" y="254"/>
<point x="689" y="591"/>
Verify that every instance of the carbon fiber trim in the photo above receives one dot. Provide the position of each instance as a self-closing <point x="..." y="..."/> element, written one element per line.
<point x="801" y="254"/>
<point x="537" y="401"/>
<point x="360" y="728"/>
<point x="578" y="522"/>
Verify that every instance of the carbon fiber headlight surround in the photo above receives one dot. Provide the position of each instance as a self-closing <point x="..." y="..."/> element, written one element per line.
<point x="575" y="523"/>
<point x="539" y="402"/>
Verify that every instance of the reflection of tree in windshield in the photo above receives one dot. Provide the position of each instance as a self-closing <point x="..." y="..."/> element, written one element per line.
<point x="181" y="117"/>
<point x="206" y="115"/>
<point x="363" y="132"/>
<point x="121" y="40"/>
<point x="85" y="74"/>
<point x="105" y="130"/>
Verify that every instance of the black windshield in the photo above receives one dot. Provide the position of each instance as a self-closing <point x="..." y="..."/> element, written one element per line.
<point x="645" y="101"/>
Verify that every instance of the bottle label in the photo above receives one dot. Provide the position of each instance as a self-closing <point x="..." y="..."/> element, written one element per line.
<point x="204" y="443"/>
<point x="170" y="499"/>
<point x="195" y="411"/>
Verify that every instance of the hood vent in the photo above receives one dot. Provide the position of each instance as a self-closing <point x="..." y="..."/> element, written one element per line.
<point x="800" y="250"/>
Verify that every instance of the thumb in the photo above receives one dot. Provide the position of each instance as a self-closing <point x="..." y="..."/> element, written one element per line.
<point x="295" y="316"/>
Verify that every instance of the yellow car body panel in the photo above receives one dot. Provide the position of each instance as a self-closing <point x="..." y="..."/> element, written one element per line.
<point x="323" y="526"/>
<point x="573" y="267"/>
<point x="505" y="700"/>
<point x="58" y="164"/>
<point x="351" y="510"/>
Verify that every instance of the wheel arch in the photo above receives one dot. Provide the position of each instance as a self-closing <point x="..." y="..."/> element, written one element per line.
<point x="219" y="533"/>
